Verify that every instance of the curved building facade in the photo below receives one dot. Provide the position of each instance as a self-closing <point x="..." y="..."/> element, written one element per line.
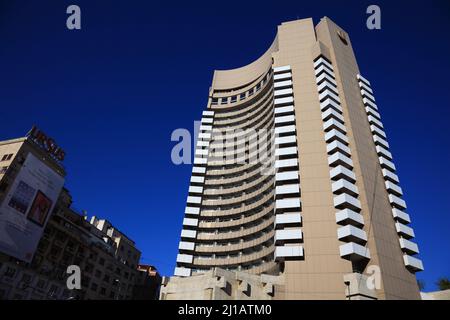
<point x="293" y="176"/>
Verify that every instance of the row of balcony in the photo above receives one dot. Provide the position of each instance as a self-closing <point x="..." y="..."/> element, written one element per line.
<point x="342" y="177"/>
<point x="288" y="234"/>
<point x="395" y="192"/>
<point x="195" y="190"/>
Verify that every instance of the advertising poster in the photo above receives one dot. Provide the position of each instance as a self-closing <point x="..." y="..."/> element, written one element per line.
<point x="26" y="208"/>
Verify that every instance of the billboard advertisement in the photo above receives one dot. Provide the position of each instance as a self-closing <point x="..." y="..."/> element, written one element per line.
<point x="27" y="207"/>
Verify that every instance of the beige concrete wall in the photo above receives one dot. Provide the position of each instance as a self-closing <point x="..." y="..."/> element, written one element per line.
<point x="320" y="274"/>
<point x="397" y="281"/>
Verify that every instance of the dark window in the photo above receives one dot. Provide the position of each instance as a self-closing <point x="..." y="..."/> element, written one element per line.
<point x="242" y="96"/>
<point x="3" y="170"/>
<point x="224" y="100"/>
<point x="9" y="156"/>
<point x="214" y="101"/>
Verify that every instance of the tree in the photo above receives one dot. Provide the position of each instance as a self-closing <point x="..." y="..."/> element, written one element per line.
<point x="443" y="283"/>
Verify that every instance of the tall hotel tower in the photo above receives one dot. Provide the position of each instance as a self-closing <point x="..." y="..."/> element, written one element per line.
<point x="322" y="208"/>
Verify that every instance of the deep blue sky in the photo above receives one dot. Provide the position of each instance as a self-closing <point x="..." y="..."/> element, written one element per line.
<point x="112" y="93"/>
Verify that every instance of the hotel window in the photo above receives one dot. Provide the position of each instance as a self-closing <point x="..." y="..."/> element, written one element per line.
<point x="224" y="100"/>
<point x="233" y="99"/>
<point x="242" y="96"/>
<point x="250" y="92"/>
<point x="214" y="101"/>
<point x="258" y="86"/>
<point x="3" y="170"/>
<point x="9" y="156"/>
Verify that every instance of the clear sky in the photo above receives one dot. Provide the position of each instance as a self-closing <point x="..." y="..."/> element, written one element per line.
<point x="112" y="93"/>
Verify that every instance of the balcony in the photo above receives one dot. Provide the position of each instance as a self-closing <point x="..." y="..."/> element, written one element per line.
<point x="330" y="104"/>
<point x="327" y="77"/>
<point x="408" y="246"/>
<point x="349" y="217"/>
<point x="329" y="94"/>
<point x="284" y="119"/>
<point x="286" y="139"/>
<point x="324" y="68"/>
<point x="341" y="172"/>
<point x="182" y="272"/>
<point x="377" y="131"/>
<point x="288" y="235"/>
<point x="288" y="203"/>
<point x="282" y="76"/>
<point x="335" y="146"/>
<point x="190" y="222"/>
<point x="364" y="86"/>
<point x="288" y="219"/>
<point x="367" y="102"/>
<point x="393" y="188"/>
<point x="334" y="135"/>
<point x="404" y="231"/>
<point x="287" y="189"/>
<point x="197" y="179"/>
<point x="327" y="85"/>
<point x="333" y="124"/>
<point x="284" y="109"/>
<point x="380" y="142"/>
<point x="285" y="129"/>
<point x="354" y="252"/>
<point x="193" y="199"/>
<point x="208" y="113"/>
<point x="372" y="112"/>
<point x="388" y="175"/>
<point x="188" y="234"/>
<point x="285" y="151"/>
<point x="396" y="202"/>
<point x="288" y="253"/>
<point x="321" y="61"/>
<point x="375" y="121"/>
<point x="362" y="79"/>
<point x="284" y="101"/>
<point x="286" y="163"/>
<point x="338" y="158"/>
<point x="401" y="216"/>
<point x="386" y="164"/>
<point x="283" y="92"/>
<point x="383" y="152"/>
<point x="285" y="176"/>
<point x="188" y="246"/>
<point x="184" y="258"/>
<point x="345" y="201"/>
<point x="331" y="113"/>
<point x="195" y="189"/>
<point x="367" y="94"/>
<point x="412" y="264"/>
<point x="282" y="84"/>
<point x="352" y="234"/>
<point x="343" y="186"/>
<point x="281" y="69"/>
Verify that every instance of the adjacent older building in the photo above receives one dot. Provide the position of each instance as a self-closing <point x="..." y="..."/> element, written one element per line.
<point x="293" y="176"/>
<point x="107" y="258"/>
<point x="147" y="284"/>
